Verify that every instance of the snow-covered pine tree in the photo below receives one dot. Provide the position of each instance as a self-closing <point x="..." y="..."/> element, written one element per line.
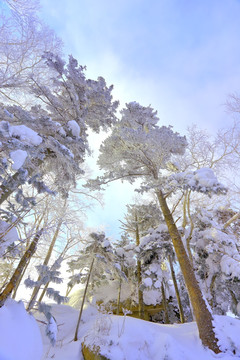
<point x="217" y="260"/>
<point x="95" y="265"/>
<point x="125" y="253"/>
<point x="136" y="222"/>
<point x="139" y="149"/>
<point x="51" y="136"/>
<point x="157" y="255"/>
<point x="47" y="274"/>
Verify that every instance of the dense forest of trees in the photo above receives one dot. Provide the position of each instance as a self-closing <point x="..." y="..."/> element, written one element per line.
<point x="180" y="242"/>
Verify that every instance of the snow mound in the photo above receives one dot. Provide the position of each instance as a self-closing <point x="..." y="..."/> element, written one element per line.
<point x="74" y="127"/>
<point x="18" y="157"/>
<point x="25" y="134"/>
<point x="127" y="338"/>
<point x="20" y="336"/>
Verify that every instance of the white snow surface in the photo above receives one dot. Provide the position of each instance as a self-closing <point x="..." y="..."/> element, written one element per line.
<point x="205" y="177"/>
<point x="147" y="281"/>
<point x="20" y="337"/>
<point x="25" y="134"/>
<point x="18" y="157"/>
<point x="74" y="127"/>
<point x="118" y="337"/>
<point x="126" y="338"/>
<point x="202" y="179"/>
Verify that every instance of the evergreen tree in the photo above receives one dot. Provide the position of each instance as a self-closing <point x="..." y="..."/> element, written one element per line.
<point x="139" y="149"/>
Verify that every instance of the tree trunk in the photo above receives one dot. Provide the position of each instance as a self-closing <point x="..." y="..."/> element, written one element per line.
<point x="43" y="292"/>
<point x="139" y="276"/>
<point x="165" y="306"/>
<point x="189" y="238"/>
<point x="182" y="318"/>
<point x="83" y="301"/>
<point x="201" y="312"/>
<point x="20" y="279"/>
<point x="45" y="263"/>
<point x="119" y="296"/>
<point x="17" y="273"/>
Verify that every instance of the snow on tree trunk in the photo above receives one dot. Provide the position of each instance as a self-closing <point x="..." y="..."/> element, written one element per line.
<point x="203" y="316"/>
<point x="45" y="263"/>
<point x="83" y="300"/>
<point x="139" y="277"/>
<point x="165" y="307"/>
<point x="17" y="273"/>
<point x="182" y="317"/>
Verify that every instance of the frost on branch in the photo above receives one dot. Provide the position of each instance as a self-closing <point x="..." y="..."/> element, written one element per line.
<point x="51" y="328"/>
<point x="51" y="136"/>
<point x="201" y="180"/>
<point x="48" y="274"/>
<point x="138" y="147"/>
<point x="217" y="260"/>
<point x="8" y="235"/>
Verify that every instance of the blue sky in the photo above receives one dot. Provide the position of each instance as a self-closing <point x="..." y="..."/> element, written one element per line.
<point x="180" y="56"/>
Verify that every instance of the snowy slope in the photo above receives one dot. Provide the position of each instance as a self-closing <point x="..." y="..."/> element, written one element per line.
<point x="126" y="338"/>
<point x="118" y="337"/>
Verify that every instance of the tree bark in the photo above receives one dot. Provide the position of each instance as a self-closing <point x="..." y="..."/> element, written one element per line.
<point x="203" y="316"/>
<point x="139" y="276"/>
<point x="43" y="292"/>
<point x="20" y="279"/>
<point x="182" y="317"/>
<point x="46" y="261"/>
<point x="17" y="273"/>
<point x="119" y="296"/>
<point x="83" y="301"/>
<point x="165" y="306"/>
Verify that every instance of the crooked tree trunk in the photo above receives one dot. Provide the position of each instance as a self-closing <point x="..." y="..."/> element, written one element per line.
<point x="165" y="306"/>
<point x="182" y="318"/>
<point x="83" y="301"/>
<point x="139" y="276"/>
<point x="202" y="315"/>
<point x="45" y="263"/>
<point x="18" y="272"/>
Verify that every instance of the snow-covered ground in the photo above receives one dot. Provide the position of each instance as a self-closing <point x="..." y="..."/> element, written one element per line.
<point x="20" y="338"/>
<point x="119" y="338"/>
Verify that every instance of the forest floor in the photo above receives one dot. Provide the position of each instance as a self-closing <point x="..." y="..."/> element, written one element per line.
<point x="127" y="338"/>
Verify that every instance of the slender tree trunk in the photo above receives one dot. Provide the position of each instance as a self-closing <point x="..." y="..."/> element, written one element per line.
<point x="37" y="223"/>
<point x="139" y="276"/>
<point x="165" y="306"/>
<point x="119" y="296"/>
<point x="43" y="292"/>
<point x="83" y="301"/>
<point x="189" y="238"/>
<point x="45" y="263"/>
<point x="15" y="277"/>
<point x="201" y="312"/>
<point x="233" y="218"/>
<point x="20" y="279"/>
<point x="182" y="318"/>
<point x="184" y="223"/>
